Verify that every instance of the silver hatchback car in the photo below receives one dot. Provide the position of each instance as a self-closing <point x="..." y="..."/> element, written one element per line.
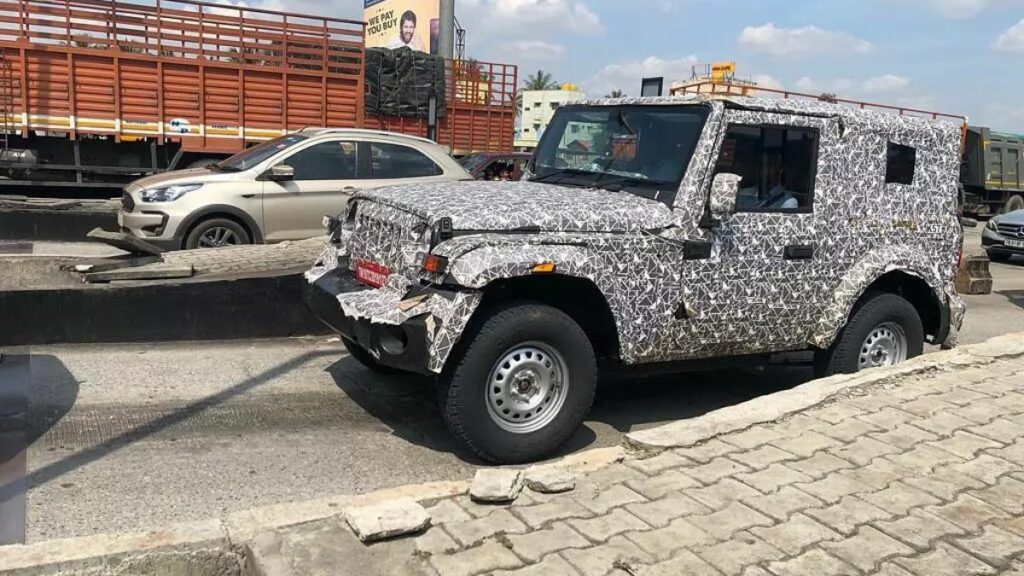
<point x="278" y="190"/>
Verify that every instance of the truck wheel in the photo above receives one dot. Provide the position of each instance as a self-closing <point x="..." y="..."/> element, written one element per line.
<point x="884" y="330"/>
<point x="1013" y="204"/>
<point x="523" y="385"/>
<point x="366" y="359"/>
<point x="216" y="233"/>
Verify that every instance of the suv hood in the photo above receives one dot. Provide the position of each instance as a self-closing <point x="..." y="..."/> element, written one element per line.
<point x="526" y="206"/>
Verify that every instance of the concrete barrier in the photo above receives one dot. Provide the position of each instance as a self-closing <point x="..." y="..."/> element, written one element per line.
<point x="194" y="309"/>
<point x="974" y="276"/>
<point x="53" y="225"/>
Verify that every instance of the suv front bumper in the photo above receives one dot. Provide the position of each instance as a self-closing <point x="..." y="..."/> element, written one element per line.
<point x="411" y="329"/>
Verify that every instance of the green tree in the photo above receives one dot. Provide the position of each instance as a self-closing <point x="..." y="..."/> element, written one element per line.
<point x="615" y="94"/>
<point x="540" y="81"/>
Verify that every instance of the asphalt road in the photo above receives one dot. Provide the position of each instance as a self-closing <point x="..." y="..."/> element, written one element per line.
<point x="124" y="437"/>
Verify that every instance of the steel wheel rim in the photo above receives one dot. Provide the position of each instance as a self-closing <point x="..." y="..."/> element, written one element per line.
<point x="218" y="237"/>
<point x="527" y="387"/>
<point x="885" y="345"/>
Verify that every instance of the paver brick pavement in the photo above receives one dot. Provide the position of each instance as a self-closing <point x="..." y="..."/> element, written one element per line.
<point x="891" y="482"/>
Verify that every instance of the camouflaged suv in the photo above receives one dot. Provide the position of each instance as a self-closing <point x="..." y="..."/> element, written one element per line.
<point x="654" y="230"/>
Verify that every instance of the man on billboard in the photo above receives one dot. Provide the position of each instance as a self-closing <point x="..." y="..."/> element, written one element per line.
<point x="407" y="37"/>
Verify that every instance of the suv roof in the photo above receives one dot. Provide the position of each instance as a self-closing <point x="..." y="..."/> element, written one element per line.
<point x="791" y="105"/>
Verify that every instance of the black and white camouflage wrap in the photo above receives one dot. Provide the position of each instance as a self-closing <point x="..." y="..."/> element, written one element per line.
<point x="746" y="298"/>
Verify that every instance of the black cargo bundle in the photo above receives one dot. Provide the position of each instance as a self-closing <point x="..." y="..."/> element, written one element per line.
<point x="400" y="82"/>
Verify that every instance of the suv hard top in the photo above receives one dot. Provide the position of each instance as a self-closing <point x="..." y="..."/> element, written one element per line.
<point x="652" y="230"/>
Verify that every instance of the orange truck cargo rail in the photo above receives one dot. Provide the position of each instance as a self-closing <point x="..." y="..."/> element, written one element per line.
<point x="95" y="92"/>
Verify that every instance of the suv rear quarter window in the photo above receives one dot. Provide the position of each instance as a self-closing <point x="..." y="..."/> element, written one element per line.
<point x="900" y="164"/>
<point x="393" y="161"/>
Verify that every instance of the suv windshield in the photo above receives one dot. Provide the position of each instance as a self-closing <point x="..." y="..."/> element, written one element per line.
<point x="258" y="153"/>
<point x="640" y="149"/>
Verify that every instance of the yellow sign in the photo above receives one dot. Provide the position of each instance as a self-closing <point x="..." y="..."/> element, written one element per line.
<point x="402" y="23"/>
<point x="719" y="70"/>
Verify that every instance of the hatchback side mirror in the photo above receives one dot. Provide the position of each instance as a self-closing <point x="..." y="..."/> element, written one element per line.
<point x="281" y="173"/>
<point x="724" y="190"/>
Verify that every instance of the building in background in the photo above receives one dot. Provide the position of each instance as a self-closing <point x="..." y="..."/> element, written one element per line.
<point x="538" y="108"/>
<point x="717" y="78"/>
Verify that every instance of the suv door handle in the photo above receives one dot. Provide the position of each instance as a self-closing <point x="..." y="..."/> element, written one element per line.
<point x="799" y="252"/>
<point x="350" y="189"/>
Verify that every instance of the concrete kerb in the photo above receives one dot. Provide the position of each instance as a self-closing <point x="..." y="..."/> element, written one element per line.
<point x="216" y="546"/>
<point x="686" y="433"/>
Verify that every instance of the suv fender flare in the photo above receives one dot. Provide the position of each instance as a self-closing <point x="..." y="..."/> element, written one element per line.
<point x="215" y="209"/>
<point x="479" y="266"/>
<point x="837" y="307"/>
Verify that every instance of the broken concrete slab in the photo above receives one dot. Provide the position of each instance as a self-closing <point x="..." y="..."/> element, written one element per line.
<point x="125" y="242"/>
<point x="496" y="485"/>
<point x="150" y="272"/>
<point x="550" y="480"/>
<point x="387" y="519"/>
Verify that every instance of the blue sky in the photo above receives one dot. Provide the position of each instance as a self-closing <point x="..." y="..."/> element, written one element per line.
<point x="957" y="56"/>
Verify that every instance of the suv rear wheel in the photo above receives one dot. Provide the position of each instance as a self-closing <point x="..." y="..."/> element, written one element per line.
<point x="884" y="330"/>
<point x="522" y="387"/>
<point x="217" y="233"/>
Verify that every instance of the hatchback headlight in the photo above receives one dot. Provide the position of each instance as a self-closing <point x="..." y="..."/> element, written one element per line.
<point x="168" y="193"/>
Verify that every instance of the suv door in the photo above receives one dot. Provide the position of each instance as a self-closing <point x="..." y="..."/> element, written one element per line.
<point x="388" y="163"/>
<point x="760" y="290"/>
<point x="326" y="174"/>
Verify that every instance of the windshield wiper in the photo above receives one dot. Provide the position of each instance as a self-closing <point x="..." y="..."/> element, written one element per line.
<point x="559" y="175"/>
<point x="218" y="167"/>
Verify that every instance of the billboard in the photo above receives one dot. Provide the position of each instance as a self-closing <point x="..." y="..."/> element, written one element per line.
<point x="400" y="23"/>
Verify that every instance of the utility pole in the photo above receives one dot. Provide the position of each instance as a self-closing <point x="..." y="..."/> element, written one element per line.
<point x="446" y="38"/>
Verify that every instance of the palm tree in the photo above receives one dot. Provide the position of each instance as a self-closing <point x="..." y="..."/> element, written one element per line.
<point x="615" y="94"/>
<point x="539" y="81"/>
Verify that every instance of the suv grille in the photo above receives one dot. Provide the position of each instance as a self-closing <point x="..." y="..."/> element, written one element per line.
<point x="1011" y="230"/>
<point x="127" y="203"/>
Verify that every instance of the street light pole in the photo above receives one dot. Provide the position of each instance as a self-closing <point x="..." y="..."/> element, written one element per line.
<point x="446" y="37"/>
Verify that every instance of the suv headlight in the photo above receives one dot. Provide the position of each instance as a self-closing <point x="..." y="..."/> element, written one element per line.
<point x="168" y="193"/>
<point x="992" y="224"/>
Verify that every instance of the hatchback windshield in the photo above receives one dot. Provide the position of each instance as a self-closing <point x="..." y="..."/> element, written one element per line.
<point x="473" y="162"/>
<point x="640" y="149"/>
<point x="258" y="153"/>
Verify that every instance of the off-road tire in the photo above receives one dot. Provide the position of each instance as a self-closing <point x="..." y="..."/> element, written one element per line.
<point x="463" y="386"/>
<point x="999" y="256"/>
<point x="1013" y="204"/>
<point x="871" y="311"/>
<point x="192" y="240"/>
<point x="366" y="359"/>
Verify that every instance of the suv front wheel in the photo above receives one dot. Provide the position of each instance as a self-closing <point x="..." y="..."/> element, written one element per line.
<point x="884" y="330"/>
<point x="523" y="385"/>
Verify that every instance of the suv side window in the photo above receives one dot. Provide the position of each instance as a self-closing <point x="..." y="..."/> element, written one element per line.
<point x="777" y="164"/>
<point x="333" y="160"/>
<point x="391" y="161"/>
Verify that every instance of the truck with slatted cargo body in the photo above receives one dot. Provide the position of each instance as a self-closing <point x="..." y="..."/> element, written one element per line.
<point x="97" y="93"/>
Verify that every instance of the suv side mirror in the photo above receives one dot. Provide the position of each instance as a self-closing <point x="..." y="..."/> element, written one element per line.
<point x="281" y="173"/>
<point x="724" y="190"/>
